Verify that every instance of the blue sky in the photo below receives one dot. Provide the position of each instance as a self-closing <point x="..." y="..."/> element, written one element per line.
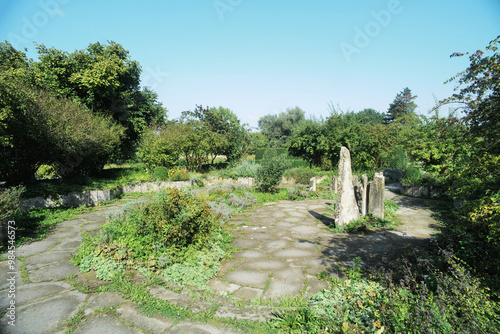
<point x="261" y="57"/>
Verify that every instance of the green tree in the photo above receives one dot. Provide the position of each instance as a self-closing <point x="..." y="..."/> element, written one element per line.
<point x="222" y="128"/>
<point x="279" y="128"/>
<point x="105" y="80"/>
<point x="402" y="106"/>
<point x="309" y="143"/>
<point x="269" y="175"/>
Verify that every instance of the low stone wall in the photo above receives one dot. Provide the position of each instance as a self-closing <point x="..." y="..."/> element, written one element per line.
<point x="421" y="191"/>
<point x="92" y="197"/>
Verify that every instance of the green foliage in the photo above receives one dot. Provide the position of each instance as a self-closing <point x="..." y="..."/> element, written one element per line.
<point x="301" y="175"/>
<point x="178" y="174"/>
<point x="401" y="107"/>
<point x="157" y="148"/>
<point x="161" y="173"/>
<point x="10" y="204"/>
<point x="412" y="175"/>
<point x="257" y="140"/>
<point x="278" y="128"/>
<point x="399" y="159"/>
<point x="259" y="154"/>
<point x="295" y="194"/>
<point x="246" y="168"/>
<point x="271" y="171"/>
<point x="309" y="143"/>
<point x="45" y="172"/>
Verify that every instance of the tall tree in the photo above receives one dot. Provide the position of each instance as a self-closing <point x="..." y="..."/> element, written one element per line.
<point x="278" y="128"/>
<point x="402" y="106"/>
<point x="105" y="79"/>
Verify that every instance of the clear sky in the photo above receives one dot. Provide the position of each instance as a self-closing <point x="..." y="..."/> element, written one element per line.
<point x="260" y="57"/>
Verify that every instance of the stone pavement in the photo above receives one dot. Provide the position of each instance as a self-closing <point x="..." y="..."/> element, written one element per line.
<point x="282" y="248"/>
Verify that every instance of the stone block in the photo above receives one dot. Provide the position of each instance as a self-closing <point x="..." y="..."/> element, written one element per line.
<point x="346" y="208"/>
<point x="376" y="196"/>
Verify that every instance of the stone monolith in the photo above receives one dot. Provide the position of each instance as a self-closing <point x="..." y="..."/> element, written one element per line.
<point x="346" y="208"/>
<point x="376" y="196"/>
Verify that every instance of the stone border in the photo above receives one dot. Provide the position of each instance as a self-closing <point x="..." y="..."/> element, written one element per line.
<point x="421" y="191"/>
<point x="92" y="197"/>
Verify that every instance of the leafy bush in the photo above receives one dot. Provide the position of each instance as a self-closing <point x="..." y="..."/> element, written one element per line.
<point x="242" y="202"/>
<point x="424" y="298"/>
<point x="271" y="171"/>
<point x="10" y="202"/>
<point x="412" y="175"/>
<point x="161" y="173"/>
<point x="399" y="159"/>
<point x="301" y="175"/>
<point x="297" y="194"/>
<point x="156" y="149"/>
<point x="178" y="174"/>
<point x="221" y="210"/>
<point x="246" y="168"/>
<point x="45" y="172"/>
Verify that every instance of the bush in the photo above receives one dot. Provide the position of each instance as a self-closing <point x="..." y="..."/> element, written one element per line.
<point x="412" y="175"/>
<point x="399" y="159"/>
<point x="271" y="171"/>
<point x="40" y="128"/>
<point x="161" y="173"/>
<point x="247" y="168"/>
<point x="157" y="150"/>
<point x="301" y="175"/>
<point x="45" y="172"/>
<point x="10" y="204"/>
<point x="297" y="194"/>
<point x="242" y="202"/>
<point x="178" y="174"/>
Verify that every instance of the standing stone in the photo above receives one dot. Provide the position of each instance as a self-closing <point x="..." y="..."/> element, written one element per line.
<point x="376" y="196"/>
<point x="364" y="192"/>
<point x="312" y="184"/>
<point x="333" y="186"/>
<point x="346" y="208"/>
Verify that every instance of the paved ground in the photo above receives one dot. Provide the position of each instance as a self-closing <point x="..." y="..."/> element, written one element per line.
<point x="283" y="247"/>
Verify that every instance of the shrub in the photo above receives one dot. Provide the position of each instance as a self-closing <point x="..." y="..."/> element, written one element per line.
<point x="221" y="210"/>
<point x="156" y="149"/>
<point x="243" y="202"/>
<point x="399" y="159"/>
<point x="271" y="171"/>
<point x="247" y="168"/>
<point x="10" y="204"/>
<point x="45" y="172"/>
<point x="301" y="175"/>
<point x="297" y="194"/>
<point x="161" y="173"/>
<point x="178" y="174"/>
<point x="412" y="175"/>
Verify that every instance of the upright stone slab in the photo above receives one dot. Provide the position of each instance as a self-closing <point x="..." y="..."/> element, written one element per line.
<point x="333" y="185"/>
<point x="346" y="208"/>
<point x="364" y="195"/>
<point x="312" y="184"/>
<point x="376" y="196"/>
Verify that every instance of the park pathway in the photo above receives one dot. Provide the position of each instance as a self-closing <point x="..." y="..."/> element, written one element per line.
<point x="282" y="248"/>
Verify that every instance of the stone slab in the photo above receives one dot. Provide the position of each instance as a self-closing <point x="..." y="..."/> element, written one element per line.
<point x="282" y="288"/>
<point x="47" y="258"/>
<point x="154" y="325"/>
<point x="104" y="324"/>
<point x="35" y="247"/>
<point x="29" y="293"/>
<point x="103" y="299"/>
<point x="249" y="278"/>
<point x="251" y="254"/>
<point x="248" y="293"/>
<point x="274" y="245"/>
<point x="293" y="253"/>
<point x="266" y="265"/>
<point x="53" y="272"/>
<point x="46" y="316"/>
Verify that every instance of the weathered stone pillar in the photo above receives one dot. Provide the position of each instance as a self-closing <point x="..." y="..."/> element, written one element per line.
<point x="346" y="208"/>
<point x="376" y="196"/>
<point x="333" y="186"/>
<point x="312" y="184"/>
<point x="364" y="193"/>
